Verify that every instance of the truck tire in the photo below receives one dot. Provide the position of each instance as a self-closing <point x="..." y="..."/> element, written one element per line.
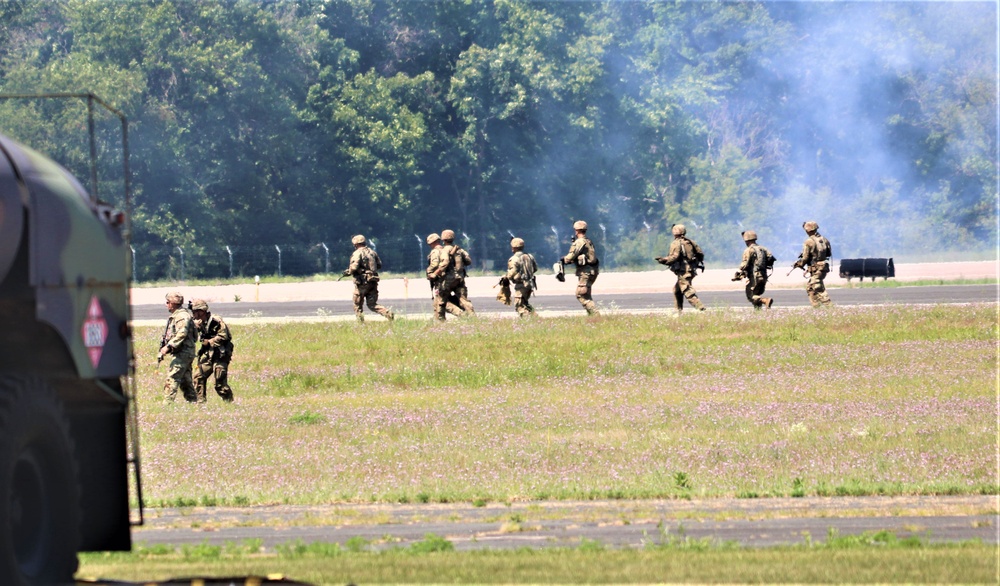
<point x="39" y="486"/>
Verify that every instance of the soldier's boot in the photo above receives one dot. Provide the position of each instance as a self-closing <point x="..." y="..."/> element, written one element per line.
<point x="389" y="315"/>
<point x="591" y="308"/>
<point x="359" y="317"/>
<point x="767" y="301"/>
<point x="226" y="393"/>
<point x="813" y="300"/>
<point x="697" y="303"/>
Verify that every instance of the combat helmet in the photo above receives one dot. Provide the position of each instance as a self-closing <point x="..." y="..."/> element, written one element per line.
<point x="448" y="235"/>
<point x="517" y="243"/>
<point x="678" y="230"/>
<point x="359" y="239"/>
<point x="749" y="236"/>
<point x="433" y="238"/>
<point x="199" y="304"/>
<point x="580" y="225"/>
<point x="810" y="226"/>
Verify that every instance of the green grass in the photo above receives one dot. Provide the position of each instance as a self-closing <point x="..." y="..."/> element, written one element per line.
<point x="870" y="558"/>
<point x="840" y="402"/>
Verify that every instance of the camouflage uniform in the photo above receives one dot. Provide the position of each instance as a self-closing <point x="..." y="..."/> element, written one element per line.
<point x="753" y="268"/>
<point x="683" y="259"/>
<point x="815" y="260"/>
<point x="521" y="269"/>
<point x="436" y="265"/>
<point x="215" y="353"/>
<point x="364" y="267"/>
<point x="455" y="260"/>
<point x="179" y="341"/>
<point x="583" y="254"/>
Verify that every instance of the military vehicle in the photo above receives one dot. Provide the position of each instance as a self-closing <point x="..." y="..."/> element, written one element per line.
<point x="68" y="443"/>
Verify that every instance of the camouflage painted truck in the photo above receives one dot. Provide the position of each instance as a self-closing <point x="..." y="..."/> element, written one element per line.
<point x="66" y="415"/>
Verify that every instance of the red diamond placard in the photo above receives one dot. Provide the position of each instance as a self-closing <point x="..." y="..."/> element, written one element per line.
<point x="94" y="331"/>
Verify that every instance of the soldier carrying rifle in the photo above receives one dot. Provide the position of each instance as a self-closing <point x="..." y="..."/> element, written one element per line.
<point x="815" y="262"/>
<point x="178" y="341"/>
<point x="215" y="353"/>
<point x="437" y="264"/>
<point x="583" y="254"/>
<point x="521" y="269"/>
<point x="364" y="267"/>
<point x="757" y="261"/>
<point x="684" y="259"/>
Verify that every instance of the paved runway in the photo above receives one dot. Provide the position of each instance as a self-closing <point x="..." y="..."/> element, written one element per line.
<point x="749" y="522"/>
<point x="342" y="308"/>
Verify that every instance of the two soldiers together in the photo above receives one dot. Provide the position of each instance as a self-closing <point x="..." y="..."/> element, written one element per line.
<point x="685" y="257"/>
<point x="446" y="271"/>
<point x="521" y="269"/>
<point x="184" y="328"/>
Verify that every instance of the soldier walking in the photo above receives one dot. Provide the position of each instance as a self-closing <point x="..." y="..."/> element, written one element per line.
<point x="457" y="261"/>
<point x="521" y="269"/>
<point x="364" y="267"/>
<point x="178" y="341"/>
<point x="815" y="261"/>
<point x="757" y="261"/>
<point x="683" y="259"/>
<point x="436" y="267"/>
<point x="583" y="254"/>
<point x="215" y="353"/>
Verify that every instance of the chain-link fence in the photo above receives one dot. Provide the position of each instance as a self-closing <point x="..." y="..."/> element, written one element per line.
<point x="400" y="255"/>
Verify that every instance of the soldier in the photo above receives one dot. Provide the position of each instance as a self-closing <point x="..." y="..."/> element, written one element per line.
<point x="436" y="265"/>
<point x="214" y="354"/>
<point x="521" y="268"/>
<point x="815" y="261"/>
<point x="457" y="260"/>
<point x="178" y="341"/>
<point x="364" y="267"/>
<point x="583" y="254"/>
<point x="757" y="260"/>
<point x="684" y="258"/>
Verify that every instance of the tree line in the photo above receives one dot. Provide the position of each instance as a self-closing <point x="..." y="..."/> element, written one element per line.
<point x="309" y="121"/>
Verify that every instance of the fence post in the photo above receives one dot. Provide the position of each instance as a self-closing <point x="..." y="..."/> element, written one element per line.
<point x="276" y="247"/>
<point x="604" y="241"/>
<point x="420" y="251"/>
<point x="229" y="251"/>
<point x="132" y="248"/>
<point x="181" y="251"/>
<point x="326" y="252"/>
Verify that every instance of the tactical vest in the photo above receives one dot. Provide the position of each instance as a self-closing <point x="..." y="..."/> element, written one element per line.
<point x="526" y="267"/>
<point x="823" y="251"/>
<point x="762" y="259"/>
<point x="589" y="254"/>
<point x="223" y="353"/>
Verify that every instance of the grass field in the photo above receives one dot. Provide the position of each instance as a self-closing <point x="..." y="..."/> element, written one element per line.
<point x="843" y="401"/>
<point x="869" y="559"/>
<point x="848" y="401"/>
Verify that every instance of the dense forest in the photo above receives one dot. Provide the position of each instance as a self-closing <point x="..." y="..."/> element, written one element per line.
<point x="262" y="126"/>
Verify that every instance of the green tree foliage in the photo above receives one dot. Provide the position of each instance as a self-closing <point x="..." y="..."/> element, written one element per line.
<point x="306" y="121"/>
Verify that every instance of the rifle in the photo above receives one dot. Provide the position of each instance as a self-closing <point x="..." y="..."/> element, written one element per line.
<point x="796" y="265"/>
<point x="163" y="342"/>
<point x="346" y="273"/>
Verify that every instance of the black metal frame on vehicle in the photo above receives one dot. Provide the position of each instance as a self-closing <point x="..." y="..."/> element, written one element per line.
<point x="129" y="384"/>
